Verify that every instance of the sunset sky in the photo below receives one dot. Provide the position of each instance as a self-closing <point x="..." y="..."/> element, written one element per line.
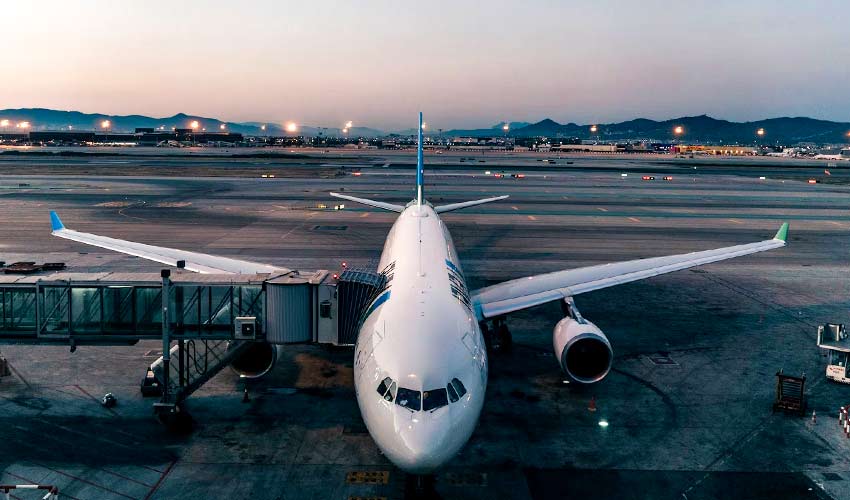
<point x="462" y="63"/>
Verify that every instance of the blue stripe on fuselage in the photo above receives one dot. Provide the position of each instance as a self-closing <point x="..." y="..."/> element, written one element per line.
<point x="453" y="267"/>
<point x="380" y="300"/>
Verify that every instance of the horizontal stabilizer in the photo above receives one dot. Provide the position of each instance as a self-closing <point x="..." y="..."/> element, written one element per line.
<point x="466" y="204"/>
<point x="372" y="203"/>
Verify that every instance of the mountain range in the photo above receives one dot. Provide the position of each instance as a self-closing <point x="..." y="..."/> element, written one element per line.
<point x="701" y="128"/>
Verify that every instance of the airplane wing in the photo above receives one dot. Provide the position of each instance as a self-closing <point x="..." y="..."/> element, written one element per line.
<point x="198" y="262"/>
<point x="530" y="291"/>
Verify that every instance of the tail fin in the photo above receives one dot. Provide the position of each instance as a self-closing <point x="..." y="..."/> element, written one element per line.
<point x="419" y="166"/>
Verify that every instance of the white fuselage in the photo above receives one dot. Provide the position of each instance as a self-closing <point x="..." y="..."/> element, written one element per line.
<point x="420" y="334"/>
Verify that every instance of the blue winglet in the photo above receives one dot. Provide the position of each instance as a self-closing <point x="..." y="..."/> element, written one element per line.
<point x="55" y="222"/>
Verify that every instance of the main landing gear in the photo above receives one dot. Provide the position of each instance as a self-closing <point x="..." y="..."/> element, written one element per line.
<point x="497" y="336"/>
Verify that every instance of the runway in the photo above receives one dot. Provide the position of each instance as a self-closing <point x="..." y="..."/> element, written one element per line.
<point x="696" y="352"/>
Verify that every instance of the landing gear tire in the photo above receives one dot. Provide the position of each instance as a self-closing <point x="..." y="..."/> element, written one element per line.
<point x="504" y="339"/>
<point x="420" y="488"/>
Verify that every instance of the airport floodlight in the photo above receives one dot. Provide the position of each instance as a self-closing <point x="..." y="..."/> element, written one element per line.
<point x="4" y="123"/>
<point x="24" y="124"/>
<point x="263" y="128"/>
<point x="105" y="124"/>
<point x="349" y="124"/>
<point x="506" y="127"/>
<point x="593" y="129"/>
<point x="194" y="125"/>
<point x="222" y="126"/>
<point x="760" y="132"/>
<point x="424" y="125"/>
<point x="291" y="127"/>
<point x="345" y="130"/>
<point x="679" y="130"/>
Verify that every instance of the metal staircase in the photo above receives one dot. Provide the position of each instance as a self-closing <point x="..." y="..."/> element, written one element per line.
<point x="194" y="363"/>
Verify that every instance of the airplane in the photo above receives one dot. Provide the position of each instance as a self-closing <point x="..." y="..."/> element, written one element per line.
<point x="421" y="357"/>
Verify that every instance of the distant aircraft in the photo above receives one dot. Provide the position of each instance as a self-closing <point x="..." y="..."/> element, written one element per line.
<point x="420" y="362"/>
<point x="832" y="157"/>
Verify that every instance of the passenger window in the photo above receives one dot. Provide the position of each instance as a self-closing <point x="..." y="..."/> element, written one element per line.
<point x="412" y="400"/>
<point x="433" y="399"/>
<point x="452" y="393"/>
<point x="458" y="385"/>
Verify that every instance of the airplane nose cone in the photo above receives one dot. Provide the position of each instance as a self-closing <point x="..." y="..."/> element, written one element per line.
<point x="426" y="448"/>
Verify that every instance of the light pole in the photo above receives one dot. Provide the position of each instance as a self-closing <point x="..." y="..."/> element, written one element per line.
<point x="105" y="124"/>
<point x="506" y="128"/>
<point x="194" y="126"/>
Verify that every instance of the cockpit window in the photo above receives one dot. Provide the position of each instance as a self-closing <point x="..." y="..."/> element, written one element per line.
<point x="433" y="399"/>
<point x="459" y="388"/>
<point x="412" y="400"/>
<point x="387" y="389"/>
<point x="452" y="393"/>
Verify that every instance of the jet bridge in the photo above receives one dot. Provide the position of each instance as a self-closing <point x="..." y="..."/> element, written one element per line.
<point x="204" y="321"/>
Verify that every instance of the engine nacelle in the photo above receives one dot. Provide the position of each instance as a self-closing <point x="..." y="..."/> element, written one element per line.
<point x="583" y="350"/>
<point x="257" y="360"/>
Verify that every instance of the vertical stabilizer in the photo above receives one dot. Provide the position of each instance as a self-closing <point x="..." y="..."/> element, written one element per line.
<point x="419" y="166"/>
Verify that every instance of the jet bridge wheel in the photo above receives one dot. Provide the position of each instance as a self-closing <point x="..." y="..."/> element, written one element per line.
<point x="174" y="418"/>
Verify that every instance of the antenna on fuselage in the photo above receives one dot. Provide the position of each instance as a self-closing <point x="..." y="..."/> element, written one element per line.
<point x="419" y="166"/>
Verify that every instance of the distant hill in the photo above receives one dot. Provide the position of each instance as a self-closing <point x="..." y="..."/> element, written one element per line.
<point x="50" y="119"/>
<point x="701" y="128"/>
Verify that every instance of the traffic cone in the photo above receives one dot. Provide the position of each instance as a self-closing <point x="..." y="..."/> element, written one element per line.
<point x="592" y="405"/>
<point x="245" y="397"/>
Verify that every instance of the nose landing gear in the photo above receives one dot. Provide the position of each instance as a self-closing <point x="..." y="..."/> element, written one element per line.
<point x="418" y="487"/>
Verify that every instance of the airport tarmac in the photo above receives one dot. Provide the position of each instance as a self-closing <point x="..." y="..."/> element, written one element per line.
<point x="688" y="402"/>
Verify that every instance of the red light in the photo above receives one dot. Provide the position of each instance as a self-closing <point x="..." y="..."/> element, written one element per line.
<point x="813" y="181"/>
<point x="344" y="265"/>
<point x="336" y="276"/>
<point x="357" y="174"/>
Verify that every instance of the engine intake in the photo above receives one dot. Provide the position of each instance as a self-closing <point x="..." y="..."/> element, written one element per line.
<point x="257" y="360"/>
<point x="583" y="350"/>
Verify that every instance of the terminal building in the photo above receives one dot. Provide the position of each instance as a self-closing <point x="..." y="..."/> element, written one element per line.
<point x="141" y="137"/>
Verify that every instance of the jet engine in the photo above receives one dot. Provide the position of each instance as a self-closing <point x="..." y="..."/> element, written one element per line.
<point x="256" y="360"/>
<point x="582" y="349"/>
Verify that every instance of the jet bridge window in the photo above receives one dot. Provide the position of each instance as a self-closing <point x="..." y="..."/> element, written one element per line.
<point x="433" y="399"/>
<point x="410" y="399"/>
<point x="387" y="389"/>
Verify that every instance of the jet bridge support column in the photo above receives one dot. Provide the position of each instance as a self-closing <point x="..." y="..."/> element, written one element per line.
<point x="168" y="410"/>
